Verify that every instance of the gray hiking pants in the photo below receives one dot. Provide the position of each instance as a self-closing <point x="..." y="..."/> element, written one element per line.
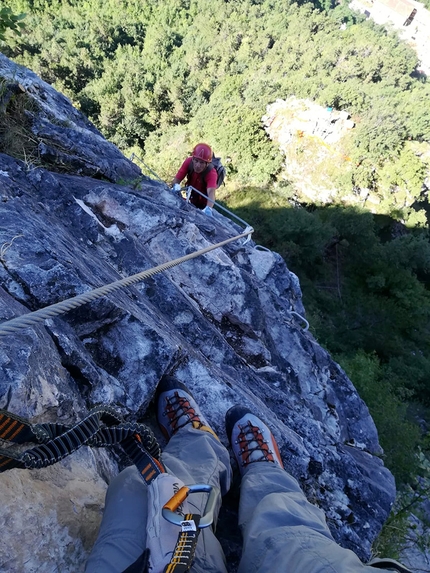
<point x="194" y="456"/>
<point x="282" y="531"/>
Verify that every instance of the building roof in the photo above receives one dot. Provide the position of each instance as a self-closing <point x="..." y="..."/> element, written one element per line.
<point x="401" y="7"/>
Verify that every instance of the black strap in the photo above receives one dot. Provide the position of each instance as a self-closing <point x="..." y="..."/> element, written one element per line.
<point x="387" y="563"/>
<point x="185" y="548"/>
<point x="100" y="428"/>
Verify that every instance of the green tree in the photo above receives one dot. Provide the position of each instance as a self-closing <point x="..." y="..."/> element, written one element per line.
<point x="389" y="413"/>
<point x="10" y="22"/>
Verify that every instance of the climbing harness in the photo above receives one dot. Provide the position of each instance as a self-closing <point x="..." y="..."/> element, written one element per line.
<point x="104" y="427"/>
<point x="100" y="428"/>
<point x="189" y="189"/>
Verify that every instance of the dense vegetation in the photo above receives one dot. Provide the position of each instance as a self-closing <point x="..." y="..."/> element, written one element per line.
<point x="10" y="22"/>
<point x="156" y="77"/>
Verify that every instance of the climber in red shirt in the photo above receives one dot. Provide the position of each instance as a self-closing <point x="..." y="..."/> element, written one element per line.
<point x="200" y="174"/>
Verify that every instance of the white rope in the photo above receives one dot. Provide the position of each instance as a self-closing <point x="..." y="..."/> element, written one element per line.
<point x="31" y="318"/>
<point x="26" y="320"/>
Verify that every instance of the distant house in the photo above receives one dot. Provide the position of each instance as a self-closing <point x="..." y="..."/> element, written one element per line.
<point x="400" y="12"/>
<point x="409" y="17"/>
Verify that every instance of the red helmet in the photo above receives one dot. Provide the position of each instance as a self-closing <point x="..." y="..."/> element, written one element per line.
<point x="203" y="151"/>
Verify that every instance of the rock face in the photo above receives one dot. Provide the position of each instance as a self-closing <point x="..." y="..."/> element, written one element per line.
<point x="311" y="138"/>
<point x="65" y="137"/>
<point x="223" y="323"/>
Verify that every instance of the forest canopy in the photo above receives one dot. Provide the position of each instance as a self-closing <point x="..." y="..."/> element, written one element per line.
<point x="156" y="77"/>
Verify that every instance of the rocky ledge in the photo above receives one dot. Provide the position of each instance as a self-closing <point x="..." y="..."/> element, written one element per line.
<point x="224" y="323"/>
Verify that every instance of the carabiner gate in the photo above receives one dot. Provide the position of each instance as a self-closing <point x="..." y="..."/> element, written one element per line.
<point x="168" y="511"/>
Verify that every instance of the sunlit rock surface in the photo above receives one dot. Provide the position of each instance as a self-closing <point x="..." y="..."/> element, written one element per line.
<point x="223" y="323"/>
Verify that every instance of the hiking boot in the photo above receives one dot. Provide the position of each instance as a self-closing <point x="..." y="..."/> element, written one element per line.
<point x="176" y="408"/>
<point x="250" y="438"/>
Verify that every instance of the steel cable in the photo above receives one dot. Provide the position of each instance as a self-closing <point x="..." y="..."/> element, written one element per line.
<point x="26" y="320"/>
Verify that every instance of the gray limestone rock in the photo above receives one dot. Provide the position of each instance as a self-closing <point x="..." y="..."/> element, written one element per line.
<point x="223" y="323"/>
<point x="66" y="138"/>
